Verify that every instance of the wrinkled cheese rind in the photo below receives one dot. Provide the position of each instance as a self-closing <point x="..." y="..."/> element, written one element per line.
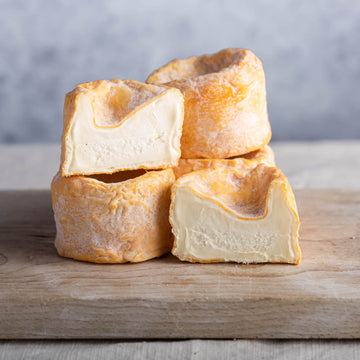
<point x="264" y="155"/>
<point x="113" y="222"/>
<point x="211" y="223"/>
<point x="225" y="103"/>
<point x="147" y="136"/>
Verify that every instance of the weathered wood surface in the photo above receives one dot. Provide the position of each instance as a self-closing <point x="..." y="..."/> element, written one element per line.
<point x="187" y="350"/>
<point x="45" y="296"/>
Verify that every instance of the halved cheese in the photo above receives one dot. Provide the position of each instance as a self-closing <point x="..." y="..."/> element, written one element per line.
<point x="246" y="216"/>
<point x="225" y="103"/>
<point x="120" y="125"/>
<point x="265" y="155"/>
<point x="113" y="218"/>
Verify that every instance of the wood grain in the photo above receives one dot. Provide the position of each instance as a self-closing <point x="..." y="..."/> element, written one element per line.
<point x="186" y="349"/>
<point x="45" y="296"/>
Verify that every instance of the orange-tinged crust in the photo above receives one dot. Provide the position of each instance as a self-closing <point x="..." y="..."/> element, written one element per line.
<point x="244" y="192"/>
<point x="264" y="155"/>
<point x="225" y="103"/>
<point x="116" y="218"/>
<point x="113" y="103"/>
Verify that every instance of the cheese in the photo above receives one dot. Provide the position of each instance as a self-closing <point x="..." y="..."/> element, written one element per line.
<point x="245" y="216"/>
<point x="264" y="155"/>
<point x="120" y="125"/>
<point x="113" y="218"/>
<point x="225" y="103"/>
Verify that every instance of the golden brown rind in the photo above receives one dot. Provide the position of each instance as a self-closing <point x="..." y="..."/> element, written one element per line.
<point x="113" y="222"/>
<point x="225" y="103"/>
<point x="264" y="155"/>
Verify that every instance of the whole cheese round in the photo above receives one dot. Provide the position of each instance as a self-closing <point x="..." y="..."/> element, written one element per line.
<point x="113" y="218"/>
<point x="225" y="103"/>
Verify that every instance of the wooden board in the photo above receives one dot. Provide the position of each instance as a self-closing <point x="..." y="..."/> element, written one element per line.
<point x="45" y="296"/>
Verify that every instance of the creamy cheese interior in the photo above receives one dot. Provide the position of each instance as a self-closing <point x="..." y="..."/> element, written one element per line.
<point x="149" y="137"/>
<point x="206" y="231"/>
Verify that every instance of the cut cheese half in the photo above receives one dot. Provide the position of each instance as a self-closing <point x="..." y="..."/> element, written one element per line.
<point x="265" y="156"/>
<point x="246" y="216"/>
<point x="225" y="103"/>
<point x="120" y="125"/>
<point x="113" y="218"/>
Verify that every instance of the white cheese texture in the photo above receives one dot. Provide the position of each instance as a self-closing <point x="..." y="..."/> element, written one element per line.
<point x="149" y="137"/>
<point x="205" y="231"/>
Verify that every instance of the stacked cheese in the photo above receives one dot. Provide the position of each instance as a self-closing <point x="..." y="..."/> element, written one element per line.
<point x="229" y="202"/>
<point x="117" y="129"/>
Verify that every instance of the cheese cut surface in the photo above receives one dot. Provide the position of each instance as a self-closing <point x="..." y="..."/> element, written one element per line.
<point x="265" y="156"/>
<point x="225" y="103"/>
<point x="246" y="216"/>
<point x="120" y="125"/>
<point x="113" y="218"/>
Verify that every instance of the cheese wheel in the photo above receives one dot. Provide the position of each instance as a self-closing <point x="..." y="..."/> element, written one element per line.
<point x="245" y="216"/>
<point x="120" y="125"/>
<point x="113" y="218"/>
<point x="264" y="155"/>
<point x="225" y="103"/>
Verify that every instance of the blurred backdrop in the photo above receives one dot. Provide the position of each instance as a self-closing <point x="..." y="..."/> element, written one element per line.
<point x="310" y="51"/>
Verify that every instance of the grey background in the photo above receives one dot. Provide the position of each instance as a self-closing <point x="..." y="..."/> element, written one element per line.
<point x="310" y="51"/>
